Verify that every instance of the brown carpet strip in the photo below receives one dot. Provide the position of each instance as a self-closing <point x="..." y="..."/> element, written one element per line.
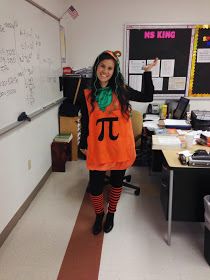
<point x="83" y="254"/>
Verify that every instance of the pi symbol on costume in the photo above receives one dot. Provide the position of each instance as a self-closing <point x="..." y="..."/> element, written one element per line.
<point x="110" y="122"/>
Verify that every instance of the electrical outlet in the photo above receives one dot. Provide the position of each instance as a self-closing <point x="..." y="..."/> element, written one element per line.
<point x="29" y="164"/>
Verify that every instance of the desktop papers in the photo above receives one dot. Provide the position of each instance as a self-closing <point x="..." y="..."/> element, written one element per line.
<point x="151" y="117"/>
<point x="172" y="123"/>
<point x="165" y="142"/>
<point x="151" y="125"/>
<point x="169" y="141"/>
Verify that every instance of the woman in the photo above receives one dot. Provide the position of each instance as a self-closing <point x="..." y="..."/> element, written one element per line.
<point x="107" y="137"/>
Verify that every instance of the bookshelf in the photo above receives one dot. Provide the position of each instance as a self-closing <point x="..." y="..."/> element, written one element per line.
<point x="71" y="125"/>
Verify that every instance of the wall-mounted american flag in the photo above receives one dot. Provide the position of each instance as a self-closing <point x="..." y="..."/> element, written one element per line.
<point x="73" y="12"/>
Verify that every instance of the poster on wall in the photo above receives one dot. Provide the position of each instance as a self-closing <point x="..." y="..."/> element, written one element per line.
<point x="172" y="44"/>
<point x="199" y="79"/>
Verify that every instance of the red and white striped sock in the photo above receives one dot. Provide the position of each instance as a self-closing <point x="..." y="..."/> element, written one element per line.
<point x="114" y="196"/>
<point x="98" y="203"/>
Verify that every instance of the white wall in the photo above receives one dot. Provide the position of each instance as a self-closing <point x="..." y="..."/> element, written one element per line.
<point x="56" y="7"/>
<point x="30" y="141"/>
<point x="100" y="26"/>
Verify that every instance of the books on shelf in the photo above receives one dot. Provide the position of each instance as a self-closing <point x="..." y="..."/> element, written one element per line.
<point x="65" y="138"/>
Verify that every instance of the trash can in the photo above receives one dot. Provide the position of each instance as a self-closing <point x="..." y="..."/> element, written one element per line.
<point x="207" y="228"/>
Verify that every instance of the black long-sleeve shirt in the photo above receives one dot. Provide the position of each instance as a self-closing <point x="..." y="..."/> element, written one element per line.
<point x="146" y="95"/>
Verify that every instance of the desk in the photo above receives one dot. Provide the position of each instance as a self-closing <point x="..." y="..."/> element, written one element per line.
<point x="187" y="186"/>
<point x="183" y="187"/>
<point x="157" y="156"/>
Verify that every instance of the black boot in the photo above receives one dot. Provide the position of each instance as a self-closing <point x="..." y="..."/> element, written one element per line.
<point x="97" y="227"/>
<point x="109" y="223"/>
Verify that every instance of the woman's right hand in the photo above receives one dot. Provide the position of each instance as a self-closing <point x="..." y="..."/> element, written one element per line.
<point x="84" y="151"/>
<point x="149" y="67"/>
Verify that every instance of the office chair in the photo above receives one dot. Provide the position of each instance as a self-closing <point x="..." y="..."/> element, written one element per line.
<point x="137" y="124"/>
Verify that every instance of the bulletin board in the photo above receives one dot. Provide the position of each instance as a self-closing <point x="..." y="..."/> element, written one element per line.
<point x="172" y="44"/>
<point x="200" y="70"/>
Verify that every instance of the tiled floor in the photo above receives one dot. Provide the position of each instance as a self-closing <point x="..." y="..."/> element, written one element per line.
<point x="134" y="250"/>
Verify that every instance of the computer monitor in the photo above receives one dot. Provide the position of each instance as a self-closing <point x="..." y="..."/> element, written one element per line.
<point x="181" y="108"/>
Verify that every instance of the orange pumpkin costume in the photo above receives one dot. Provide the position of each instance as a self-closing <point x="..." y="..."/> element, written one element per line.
<point x="111" y="144"/>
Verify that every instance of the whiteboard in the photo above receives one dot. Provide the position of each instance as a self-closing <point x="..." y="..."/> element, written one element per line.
<point x="30" y="63"/>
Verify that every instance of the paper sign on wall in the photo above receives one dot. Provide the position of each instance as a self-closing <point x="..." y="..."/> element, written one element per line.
<point x="167" y="67"/>
<point x="135" y="81"/>
<point x="136" y="66"/>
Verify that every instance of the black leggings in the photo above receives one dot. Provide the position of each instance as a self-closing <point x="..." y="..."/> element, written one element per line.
<point x="96" y="182"/>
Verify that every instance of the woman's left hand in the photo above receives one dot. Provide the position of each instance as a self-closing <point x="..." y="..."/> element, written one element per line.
<point x="149" y="67"/>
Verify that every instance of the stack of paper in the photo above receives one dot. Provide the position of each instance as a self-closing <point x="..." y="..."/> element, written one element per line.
<point x="166" y="131"/>
<point x="181" y="124"/>
<point x="65" y="138"/>
<point x="169" y="141"/>
<point x="151" y="117"/>
<point x="166" y="142"/>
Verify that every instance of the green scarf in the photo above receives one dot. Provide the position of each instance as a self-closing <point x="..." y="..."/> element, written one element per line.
<point x="104" y="97"/>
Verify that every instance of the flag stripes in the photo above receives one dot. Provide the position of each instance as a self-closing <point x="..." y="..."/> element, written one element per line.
<point x="73" y="12"/>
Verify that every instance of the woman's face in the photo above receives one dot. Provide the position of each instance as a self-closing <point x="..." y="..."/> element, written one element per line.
<point x="105" y="71"/>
